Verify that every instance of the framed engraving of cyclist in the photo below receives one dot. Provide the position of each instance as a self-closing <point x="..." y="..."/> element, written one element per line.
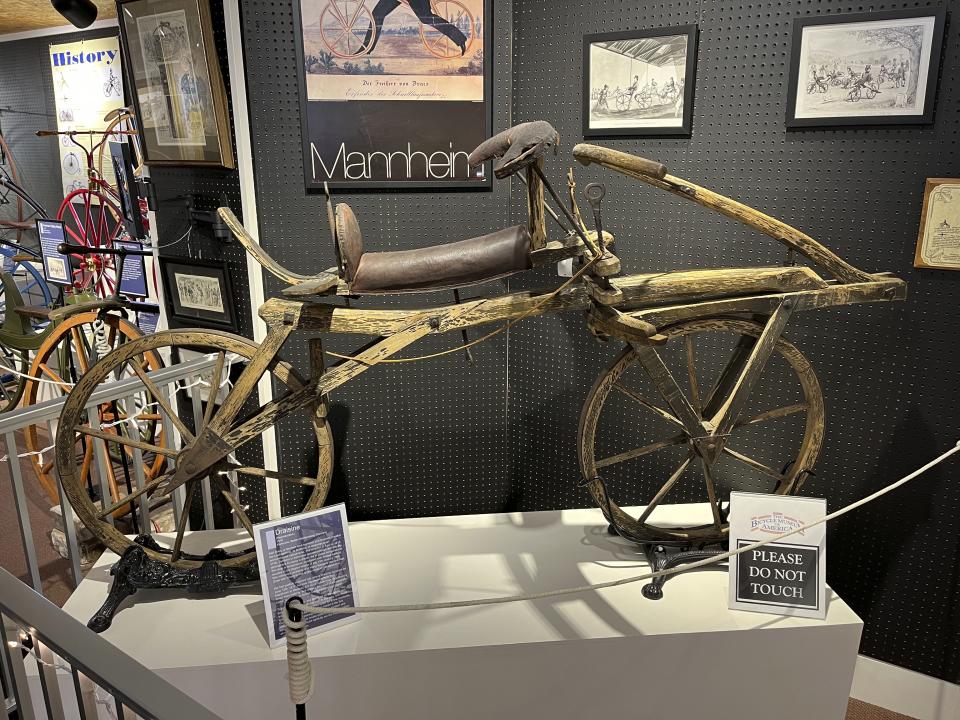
<point x="878" y="68"/>
<point x="639" y="82"/>
<point x="178" y="91"/>
<point x="396" y="93"/>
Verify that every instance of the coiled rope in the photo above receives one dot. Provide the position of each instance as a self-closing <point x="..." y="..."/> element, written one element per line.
<point x="298" y="662"/>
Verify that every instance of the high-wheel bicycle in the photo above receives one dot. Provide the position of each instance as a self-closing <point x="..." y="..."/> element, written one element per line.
<point x="669" y="323"/>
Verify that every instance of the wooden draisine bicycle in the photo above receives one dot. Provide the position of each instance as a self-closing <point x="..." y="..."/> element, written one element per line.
<point x="737" y="314"/>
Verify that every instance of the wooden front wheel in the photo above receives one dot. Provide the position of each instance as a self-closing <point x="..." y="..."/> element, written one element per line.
<point x="63" y="357"/>
<point x="344" y="25"/>
<point x="77" y="426"/>
<point x="631" y="440"/>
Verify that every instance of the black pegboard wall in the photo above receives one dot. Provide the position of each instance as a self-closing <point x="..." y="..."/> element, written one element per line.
<point x="209" y="188"/>
<point x="889" y="385"/>
<point x="418" y="439"/>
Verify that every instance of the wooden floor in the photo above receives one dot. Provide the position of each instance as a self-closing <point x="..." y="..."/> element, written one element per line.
<point x="857" y="710"/>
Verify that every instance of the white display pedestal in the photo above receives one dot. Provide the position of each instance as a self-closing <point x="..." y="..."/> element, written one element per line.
<point x="593" y="655"/>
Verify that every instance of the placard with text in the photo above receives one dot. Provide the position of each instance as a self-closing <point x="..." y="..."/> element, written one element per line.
<point x="306" y="556"/>
<point x="784" y="577"/>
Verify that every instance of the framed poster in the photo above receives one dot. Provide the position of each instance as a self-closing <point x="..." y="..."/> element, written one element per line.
<point x="395" y="94"/>
<point x="639" y="82"/>
<point x="178" y="92"/>
<point x="198" y="292"/>
<point x="878" y="68"/>
<point x="938" y="245"/>
<point x="87" y="84"/>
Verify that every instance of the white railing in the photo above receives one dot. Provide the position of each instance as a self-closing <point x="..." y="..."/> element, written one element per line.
<point x="45" y="651"/>
<point x="46" y="414"/>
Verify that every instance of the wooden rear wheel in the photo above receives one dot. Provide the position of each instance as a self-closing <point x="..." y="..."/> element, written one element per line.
<point x="226" y="350"/>
<point x="63" y="357"/>
<point x="634" y="450"/>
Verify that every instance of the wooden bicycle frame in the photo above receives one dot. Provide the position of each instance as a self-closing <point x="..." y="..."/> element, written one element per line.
<point x="635" y="302"/>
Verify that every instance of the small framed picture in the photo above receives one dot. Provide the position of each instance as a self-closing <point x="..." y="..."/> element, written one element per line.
<point x="938" y="244"/>
<point x="198" y="292"/>
<point x="878" y="68"/>
<point x="639" y="82"/>
<point x="178" y="91"/>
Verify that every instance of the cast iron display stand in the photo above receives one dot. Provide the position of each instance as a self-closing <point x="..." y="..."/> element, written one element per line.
<point x="668" y="555"/>
<point x="136" y="570"/>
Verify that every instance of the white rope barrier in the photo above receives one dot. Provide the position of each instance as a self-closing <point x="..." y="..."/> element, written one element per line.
<point x="299" y="670"/>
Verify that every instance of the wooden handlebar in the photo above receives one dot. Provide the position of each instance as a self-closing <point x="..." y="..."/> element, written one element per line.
<point x="616" y="160"/>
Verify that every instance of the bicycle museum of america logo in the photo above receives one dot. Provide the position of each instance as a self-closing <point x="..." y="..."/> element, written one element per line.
<point x="65" y="58"/>
<point x="774" y="523"/>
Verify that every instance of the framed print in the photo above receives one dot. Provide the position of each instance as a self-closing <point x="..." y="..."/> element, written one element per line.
<point x="876" y="68"/>
<point x="198" y="292"/>
<point x="938" y="244"/>
<point x="639" y="82"/>
<point x="394" y="94"/>
<point x="178" y="92"/>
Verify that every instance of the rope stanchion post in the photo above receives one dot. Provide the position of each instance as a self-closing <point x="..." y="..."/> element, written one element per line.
<point x="299" y="670"/>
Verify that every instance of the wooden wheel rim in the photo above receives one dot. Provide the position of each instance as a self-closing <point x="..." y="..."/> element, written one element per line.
<point x="362" y="11"/>
<point x="41" y="358"/>
<point x="592" y="409"/>
<point x="11" y="396"/>
<point x="77" y="400"/>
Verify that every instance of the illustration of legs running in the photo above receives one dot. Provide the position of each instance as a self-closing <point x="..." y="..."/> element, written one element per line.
<point x="427" y="16"/>
<point x="380" y="12"/>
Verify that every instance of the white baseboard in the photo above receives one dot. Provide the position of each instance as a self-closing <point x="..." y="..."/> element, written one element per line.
<point x="904" y="691"/>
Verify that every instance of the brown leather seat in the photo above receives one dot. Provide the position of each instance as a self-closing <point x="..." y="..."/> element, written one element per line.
<point x="452" y="265"/>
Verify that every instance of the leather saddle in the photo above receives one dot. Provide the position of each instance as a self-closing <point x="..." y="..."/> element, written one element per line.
<point x="452" y="265"/>
<point x="439" y="267"/>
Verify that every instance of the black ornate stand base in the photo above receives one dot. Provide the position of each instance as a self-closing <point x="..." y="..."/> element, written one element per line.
<point x="136" y="570"/>
<point x="668" y="555"/>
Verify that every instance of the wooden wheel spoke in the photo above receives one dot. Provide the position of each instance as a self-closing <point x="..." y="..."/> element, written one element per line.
<point x="641" y="451"/>
<point x="692" y="373"/>
<point x="712" y="494"/>
<point x="162" y="401"/>
<point x="147" y="487"/>
<point x="773" y="414"/>
<point x="80" y="346"/>
<point x="183" y="519"/>
<point x="662" y="492"/>
<point x="729" y="412"/>
<point x="123" y="440"/>
<point x="239" y="511"/>
<point x="755" y="464"/>
<point x="53" y="375"/>
<point x="648" y="404"/>
<point x="261" y="472"/>
<point x="215" y="381"/>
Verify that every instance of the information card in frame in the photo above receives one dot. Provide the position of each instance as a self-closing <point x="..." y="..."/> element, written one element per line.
<point x="938" y="245"/>
<point x="306" y="556"/>
<point x="782" y="578"/>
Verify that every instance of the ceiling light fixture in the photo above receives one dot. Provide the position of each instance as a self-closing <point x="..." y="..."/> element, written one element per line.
<point x="80" y="13"/>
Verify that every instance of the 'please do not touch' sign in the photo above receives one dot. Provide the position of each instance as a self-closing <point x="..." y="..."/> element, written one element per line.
<point x="783" y="578"/>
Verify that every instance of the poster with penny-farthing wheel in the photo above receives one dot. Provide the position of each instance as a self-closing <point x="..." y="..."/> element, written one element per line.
<point x="396" y="93"/>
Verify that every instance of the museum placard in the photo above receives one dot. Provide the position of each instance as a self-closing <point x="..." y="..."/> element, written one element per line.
<point x="306" y="556"/>
<point x="783" y="578"/>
